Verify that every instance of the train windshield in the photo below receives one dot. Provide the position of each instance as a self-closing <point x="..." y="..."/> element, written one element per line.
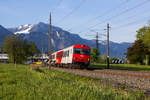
<point x="81" y="51"/>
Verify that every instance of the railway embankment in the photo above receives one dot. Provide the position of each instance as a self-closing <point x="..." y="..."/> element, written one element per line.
<point x="128" y="80"/>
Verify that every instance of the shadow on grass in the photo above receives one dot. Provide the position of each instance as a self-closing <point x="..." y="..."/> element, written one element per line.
<point x="120" y="67"/>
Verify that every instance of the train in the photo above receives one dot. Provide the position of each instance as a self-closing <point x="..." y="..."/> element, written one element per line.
<point x="75" y="56"/>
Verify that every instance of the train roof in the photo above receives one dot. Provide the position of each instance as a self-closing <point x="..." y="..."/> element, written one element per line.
<point x="75" y="46"/>
<point x="81" y="46"/>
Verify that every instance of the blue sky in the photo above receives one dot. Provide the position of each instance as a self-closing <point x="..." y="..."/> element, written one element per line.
<point x="80" y="16"/>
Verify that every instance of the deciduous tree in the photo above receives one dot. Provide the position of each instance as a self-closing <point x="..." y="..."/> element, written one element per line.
<point x="136" y="53"/>
<point x="18" y="49"/>
<point x="144" y="35"/>
<point x="95" y="55"/>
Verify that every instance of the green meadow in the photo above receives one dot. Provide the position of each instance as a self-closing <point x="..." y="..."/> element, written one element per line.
<point x="27" y="83"/>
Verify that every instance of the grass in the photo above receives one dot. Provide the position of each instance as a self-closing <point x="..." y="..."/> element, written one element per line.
<point x="26" y="83"/>
<point x="130" y="67"/>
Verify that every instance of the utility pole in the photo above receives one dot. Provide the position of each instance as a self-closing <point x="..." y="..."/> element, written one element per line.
<point x="97" y="40"/>
<point x="108" y="46"/>
<point x="50" y="38"/>
<point x="42" y="50"/>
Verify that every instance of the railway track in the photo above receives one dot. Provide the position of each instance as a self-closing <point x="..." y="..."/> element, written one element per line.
<point x="134" y="80"/>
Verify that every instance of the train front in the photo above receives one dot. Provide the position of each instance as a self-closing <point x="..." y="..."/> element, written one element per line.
<point x="81" y="55"/>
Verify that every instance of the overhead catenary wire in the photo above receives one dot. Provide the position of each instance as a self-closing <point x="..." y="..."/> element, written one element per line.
<point x="132" y="16"/>
<point x="121" y="13"/>
<point x="70" y="13"/>
<point x="57" y="5"/>
<point x="127" y="10"/>
<point x="131" y="23"/>
<point x="105" y="13"/>
<point x="52" y="11"/>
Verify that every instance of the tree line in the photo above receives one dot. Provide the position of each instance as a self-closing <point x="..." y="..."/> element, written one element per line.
<point x="139" y="52"/>
<point x="18" y="49"/>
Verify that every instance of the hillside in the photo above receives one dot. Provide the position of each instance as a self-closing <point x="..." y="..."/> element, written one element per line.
<point x="3" y="33"/>
<point x="62" y="39"/>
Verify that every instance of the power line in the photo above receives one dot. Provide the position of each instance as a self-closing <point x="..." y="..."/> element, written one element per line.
<point x="127" y="10"/>
<point x="59" y="3"/>
<point x="97" y="36"/>
<point x="105" y="13"/>
<point x="119" y="14"/>
<point x="70" y="13"/>
<point x="131" y="23"/>
<point x="109" y="11"/>
<point x="130" y="17"/>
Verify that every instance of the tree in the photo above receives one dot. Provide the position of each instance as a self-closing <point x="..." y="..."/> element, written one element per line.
<point x="17" y="49"/>
<point x="146" y="38"/>
<point x="103" y="59"/>
<point x="136" y="53"/>
<point x="13" y="46"/>
<point x="144" y="35"/>
<point x="147" y="42"/>
<point x="95" y="55"/>
<point x="141" y="32"/>
<point x="32" y="49"/>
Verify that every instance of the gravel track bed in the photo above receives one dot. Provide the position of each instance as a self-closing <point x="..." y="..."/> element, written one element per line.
<point x="131" y="79"/>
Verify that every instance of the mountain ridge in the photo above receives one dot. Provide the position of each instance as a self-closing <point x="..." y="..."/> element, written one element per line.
<point x="3" y="33"/>
<point x="39" y="33"/>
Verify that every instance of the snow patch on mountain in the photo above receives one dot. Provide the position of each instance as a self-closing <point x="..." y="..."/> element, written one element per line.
<point x="24" y="29"/>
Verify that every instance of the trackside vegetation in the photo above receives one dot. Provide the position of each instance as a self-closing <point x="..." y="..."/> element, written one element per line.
<point x="26" y="83"/>
<point x="18" y="49"/>
<point x="129" y="67"/>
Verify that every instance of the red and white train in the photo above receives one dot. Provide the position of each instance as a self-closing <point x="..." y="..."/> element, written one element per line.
<point x="76" y="56"/>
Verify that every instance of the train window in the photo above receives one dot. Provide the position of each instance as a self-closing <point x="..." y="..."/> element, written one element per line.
<point x="81" y="51"/>
<point x="53" y="56"/>
<point x="59" y="55"/>
<point x="68" y="53"/>
<point x="64" y="54"/>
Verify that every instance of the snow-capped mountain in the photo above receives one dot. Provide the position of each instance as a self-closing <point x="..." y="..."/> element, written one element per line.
<point x="39" y="33"/>
<point x="25" y="29"/>
<point x="22" y="29"/>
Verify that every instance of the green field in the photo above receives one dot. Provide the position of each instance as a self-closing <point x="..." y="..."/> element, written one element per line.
<point x="26" y="83"/>
<point x="130" y="67"/>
